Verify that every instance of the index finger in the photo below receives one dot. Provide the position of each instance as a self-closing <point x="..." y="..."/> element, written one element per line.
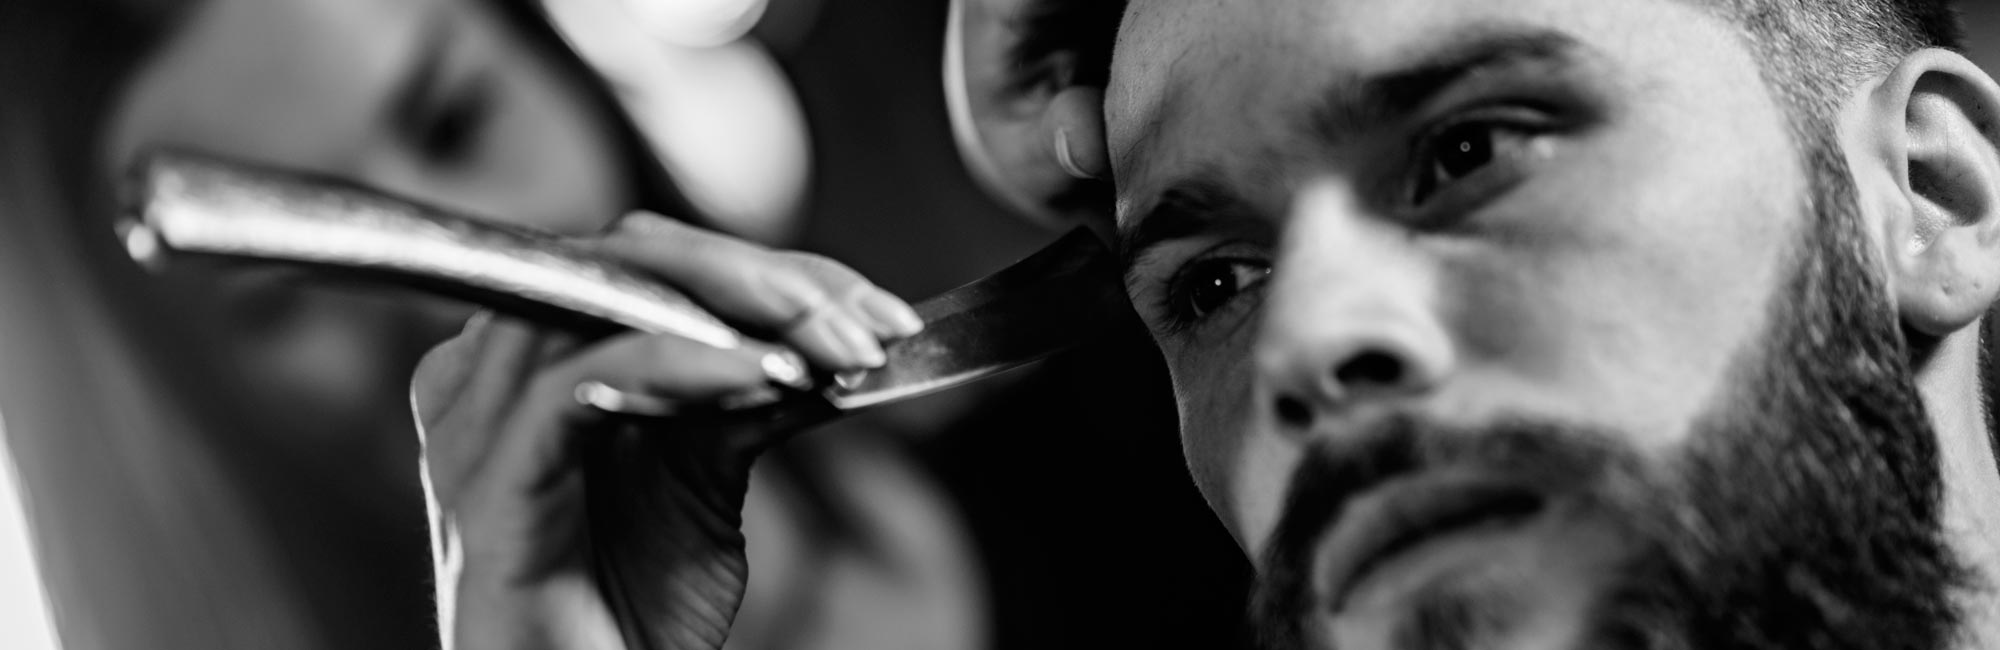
<point x="829" y="312"/>
<point x="740" y="280"/>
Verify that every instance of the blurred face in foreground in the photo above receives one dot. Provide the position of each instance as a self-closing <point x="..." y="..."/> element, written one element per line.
<point x="444" y="101"/>
<point x="1523" y="325"/>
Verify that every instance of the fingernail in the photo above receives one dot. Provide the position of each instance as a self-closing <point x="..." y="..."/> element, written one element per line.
<point x="1068" y="159"/>
<point x="850" y="379"/>
<point x="603" y="397"/>
<point x="143" y="244"/>
<point x="891" y="313"/>
<point x="786" y="368"/>
<point x="595" y="393"/>
<point x="860" y="342"/>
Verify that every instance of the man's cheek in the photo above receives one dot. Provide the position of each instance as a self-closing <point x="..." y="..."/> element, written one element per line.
<point x="1238" y="469"/>
<point x="1259" y="476"/>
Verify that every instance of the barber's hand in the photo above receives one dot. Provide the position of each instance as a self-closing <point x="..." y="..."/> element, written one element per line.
<point x="559" y="526"/>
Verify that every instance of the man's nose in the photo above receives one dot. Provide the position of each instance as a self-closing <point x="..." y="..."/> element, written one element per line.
<point x="1351" y="316"/>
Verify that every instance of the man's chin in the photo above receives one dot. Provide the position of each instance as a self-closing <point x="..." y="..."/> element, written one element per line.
<point x="1535" y="584"/>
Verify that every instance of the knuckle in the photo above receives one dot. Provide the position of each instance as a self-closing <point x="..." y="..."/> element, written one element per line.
<point x="441" y="362"/>
<point x="650" y="240"/>
<point x="715" y="245"/>
<point x="478" y="324"/>
<point x="810" y="263"/>
<point x="830" y="275"/>
<point x="828" y="272"/>
<point x="438" y="376"/>
<point x="856" y="291"/>
<point x="644" y="222"/>
<point x="656" y="229"/>
<point x="748" y="275"/>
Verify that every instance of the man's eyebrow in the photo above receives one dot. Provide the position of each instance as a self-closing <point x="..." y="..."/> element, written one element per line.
<point x="1201" y="202"/>
<point x="1189" y="206"/>
<point x="1357" y="105"/>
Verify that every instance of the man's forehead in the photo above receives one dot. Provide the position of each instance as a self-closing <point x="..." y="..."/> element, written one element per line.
<point x="1172" y="52"/>
<point x="1214" y="85"/>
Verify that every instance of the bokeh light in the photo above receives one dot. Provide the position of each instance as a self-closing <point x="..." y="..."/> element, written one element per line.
<point x="697" y="23"/>
<point x="722" y="117"/>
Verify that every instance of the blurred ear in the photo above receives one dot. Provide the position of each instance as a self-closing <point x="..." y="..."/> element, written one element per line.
<point x="1026" y="107"/>
<point x="1934" y="126"/>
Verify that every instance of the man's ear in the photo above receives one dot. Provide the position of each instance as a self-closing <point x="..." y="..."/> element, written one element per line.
<point x="1031" y="132"/>
<point x="1935" y="121"/>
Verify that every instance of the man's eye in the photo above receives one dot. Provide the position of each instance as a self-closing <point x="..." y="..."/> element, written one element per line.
<point x="1208" y="286"/>
<point x="1459" y="152"/>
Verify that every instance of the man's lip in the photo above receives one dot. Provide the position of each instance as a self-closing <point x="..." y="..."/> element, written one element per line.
<point x="1403" y="515"/>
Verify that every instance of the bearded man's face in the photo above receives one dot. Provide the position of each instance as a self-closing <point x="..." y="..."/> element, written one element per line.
<point x="1523" y="324"/>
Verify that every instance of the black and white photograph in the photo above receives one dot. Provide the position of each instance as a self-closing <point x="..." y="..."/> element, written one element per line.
<point x="1000" y="324"/>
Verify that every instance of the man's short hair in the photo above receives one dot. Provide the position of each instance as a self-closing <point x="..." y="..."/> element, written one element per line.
<point x="1813" y="52"/>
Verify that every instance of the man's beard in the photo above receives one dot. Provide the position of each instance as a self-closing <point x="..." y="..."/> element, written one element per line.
<point x="1803" y="513"/>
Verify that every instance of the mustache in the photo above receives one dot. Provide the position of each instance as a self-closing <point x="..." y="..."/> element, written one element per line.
<point x="1554" y="457"/>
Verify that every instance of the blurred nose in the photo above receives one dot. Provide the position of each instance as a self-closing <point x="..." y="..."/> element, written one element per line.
<point x="1351" y="317"/>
